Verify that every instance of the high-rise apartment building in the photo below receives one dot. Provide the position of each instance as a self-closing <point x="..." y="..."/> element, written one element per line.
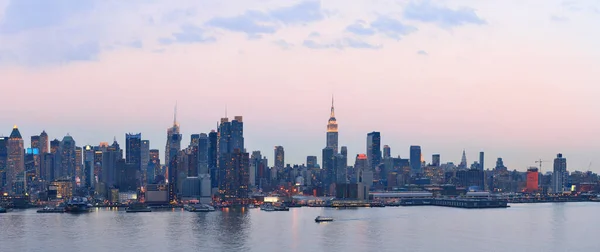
<point x="559" y="174"/>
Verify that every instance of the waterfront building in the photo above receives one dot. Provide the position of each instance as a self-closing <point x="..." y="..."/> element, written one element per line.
<point x="532" y="180"/>
<point x="332" y="131"/>
<point x="559" y="174"/>
<point x="415" y="160"/>
<point x="15" y="163"/>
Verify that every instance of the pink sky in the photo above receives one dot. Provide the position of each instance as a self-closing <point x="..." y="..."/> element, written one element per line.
<point x="518" y="82"/>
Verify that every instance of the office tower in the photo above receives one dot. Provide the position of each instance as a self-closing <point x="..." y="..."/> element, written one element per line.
<point x="235" y="183"/>
<point x="237" y="134"/>
<point x="481" y="160"/>
<point x="463" y="161"/>
<point x="203" y="153"/>
<point x="532" y="180"/>
<point x="364" y="174"/>
<point x="415" y="160"/>
<point x="341" y="169"/>
<point x="255" y="164"/>
<point x="35" y="148"/>
<point x="559" y="174"/>
<point x="3" y="161"/>
<point x="332" y="130"/>
<point x="435" y="160"/>
<point x="15" y="163"/>
<point x="153" y="168"/>
<point x="144" y="154"/>
<point x="110" y="156"/>
<point x="279" y="158"/>
<point x="48" y="164"/>
<point x="126" y="176"/>
<point x="194" y="138"/>
<point x="173" y="140"/>
<point x="133" y="149"/>
<point x="344" y="152"/>
<point x="54" y="145"/>
<point x="78" y="163"/>
<point x="213" y="158"/>
<point x="89" y="156"/>
<point x="67" y="158"/>
<point x="43" y="143"/>
<point x="311" y="162"/>
<point x="329" y="167"/>
<point x="387" y="151"/>
<point x="374" y="149"/>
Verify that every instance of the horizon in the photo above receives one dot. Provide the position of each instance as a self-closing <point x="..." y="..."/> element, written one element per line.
<point x="516" y="83"/>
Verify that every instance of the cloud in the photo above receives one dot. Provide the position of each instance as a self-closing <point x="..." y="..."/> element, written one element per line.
<point x="340" y="44"/>
<point x="136" y="44"/>
<point x="391" y="27"/>
<point x="192" y="34"/>
<point x="283" y="44"/>
<point x="360" y="28"/>
<point x="443" y="16"/>
<point x="314" y="35"/>
<point x="422" y="53"/>
<point x="268" y="22"/>
<point x="556" y="18"/>
<point x="24" y="15"/>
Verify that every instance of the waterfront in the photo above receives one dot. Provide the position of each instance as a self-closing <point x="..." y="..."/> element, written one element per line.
<point x="522" y="227"/>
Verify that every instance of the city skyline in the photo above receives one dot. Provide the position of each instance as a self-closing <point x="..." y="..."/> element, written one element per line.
<point x="468" y="76"/>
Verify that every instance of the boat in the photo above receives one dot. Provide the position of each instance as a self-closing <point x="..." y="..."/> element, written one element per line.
<point x="251" y="206"/>
<point x="78" y="205"/>
<point x="281" y="208"/>
<point x="323" y="219"/>
<point x="2" y="210"/>
<point x="48" y="209"/>
<point x="199" y="208"/>
<point x="267" y="207"/>
<point x="138" y="207"/>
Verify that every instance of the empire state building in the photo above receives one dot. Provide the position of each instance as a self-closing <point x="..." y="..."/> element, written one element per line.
<point x="332" y="130"/>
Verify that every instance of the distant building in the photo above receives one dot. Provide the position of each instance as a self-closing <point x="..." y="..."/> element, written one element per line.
<point x="415" y="160"/>
<point x="559" y="174"/>
<point x="279" y="158"/>
<point x="15" y="163"/>
<point x="67" y="158"/>
<point x="435" y="160"/>
<point x="532" y="180"/>
<point x="387" y="151"/>
<point x="481" y="161"/>
<point x="332" y="131"/>
<point x="374" y="149"/>
<point x="311" y="161"/>
<point x="3" y="161"/>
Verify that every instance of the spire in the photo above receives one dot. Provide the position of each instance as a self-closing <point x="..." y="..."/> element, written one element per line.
<point x="175" y="115"/>
<point x="463" y="160"/>
<point x="332" y="110"/>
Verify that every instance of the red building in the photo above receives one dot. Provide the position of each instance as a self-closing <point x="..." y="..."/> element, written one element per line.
<point x="532" y="180"/>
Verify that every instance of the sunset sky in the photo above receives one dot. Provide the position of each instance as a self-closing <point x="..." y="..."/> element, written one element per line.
<point x="516" y="79"/>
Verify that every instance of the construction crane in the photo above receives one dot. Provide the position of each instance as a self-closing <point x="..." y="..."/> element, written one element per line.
<point x="540" y="162"/>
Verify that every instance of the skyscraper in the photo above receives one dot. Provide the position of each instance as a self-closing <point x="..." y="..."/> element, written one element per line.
<point x="35" y="146"/>
<point x="235" y="183"/>
<point x="279" y="158"/>
<point x="311" y="161"/>
<point x="374" y="149"/>
<point x="89" y="156"/>
<point x="329" y="167"/>
<point x="173" y="140"/>
<point x="237" y="134"/>
<point x="3" y="160"/>
<point x="481" y="161"/>
<point x="133" y="151"/>
<point x="67" y="158"/>
<point x="463" y="161"/>
<point x="415" y="160"/>
<point x="15" y="163"/>
<point x="43" y="145"/>
<point x="203" y="149"/>
<point x="213" y="137"/>
<point x="332" y="130"/>
<point x="387" y="151"/>
<point x="435" y="160"/>
<point x="153" y="168"/>
<point x="559" y="175"/>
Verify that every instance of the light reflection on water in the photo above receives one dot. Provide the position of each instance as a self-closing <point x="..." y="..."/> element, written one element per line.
<point x="523" y="227"/>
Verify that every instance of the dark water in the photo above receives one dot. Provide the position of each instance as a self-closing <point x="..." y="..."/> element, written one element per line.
<point x="523" y="227"/>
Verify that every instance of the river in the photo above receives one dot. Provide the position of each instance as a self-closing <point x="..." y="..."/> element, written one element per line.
<point x="522" y="227"/>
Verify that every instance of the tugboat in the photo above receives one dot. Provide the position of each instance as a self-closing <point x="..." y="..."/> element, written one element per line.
<point x="323" y="219"/>
<point x="138" y="207"/>
<point x="199" y="208"/>
<point x="78" y="205"/>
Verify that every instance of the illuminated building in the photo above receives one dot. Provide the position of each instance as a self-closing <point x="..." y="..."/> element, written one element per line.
<point x="332" y="131"/>
<point x="279" y="158"/>
<point x="78" y="163"/>
<point x="133" y="149"/>
<point x="374" y="149"/>
<point x="171" y="157"/>
<point x="328" y="166"/>
<point x="15" y="164"/>
<point x="63" y="189"/>
<point x="532" y="179"/>
<point x="54" y="146"/>
<point x="415" y="160"/>
<point x="3" y="161"/>
<point x="559" y="174"/>
<point x="153" y="168"/>
<point x="67" y="158"/>
<point x="88" y="178"/>
<point x="213" y="137"/>
<point x="144" y="155"/>
<point x="235" y="183"/>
